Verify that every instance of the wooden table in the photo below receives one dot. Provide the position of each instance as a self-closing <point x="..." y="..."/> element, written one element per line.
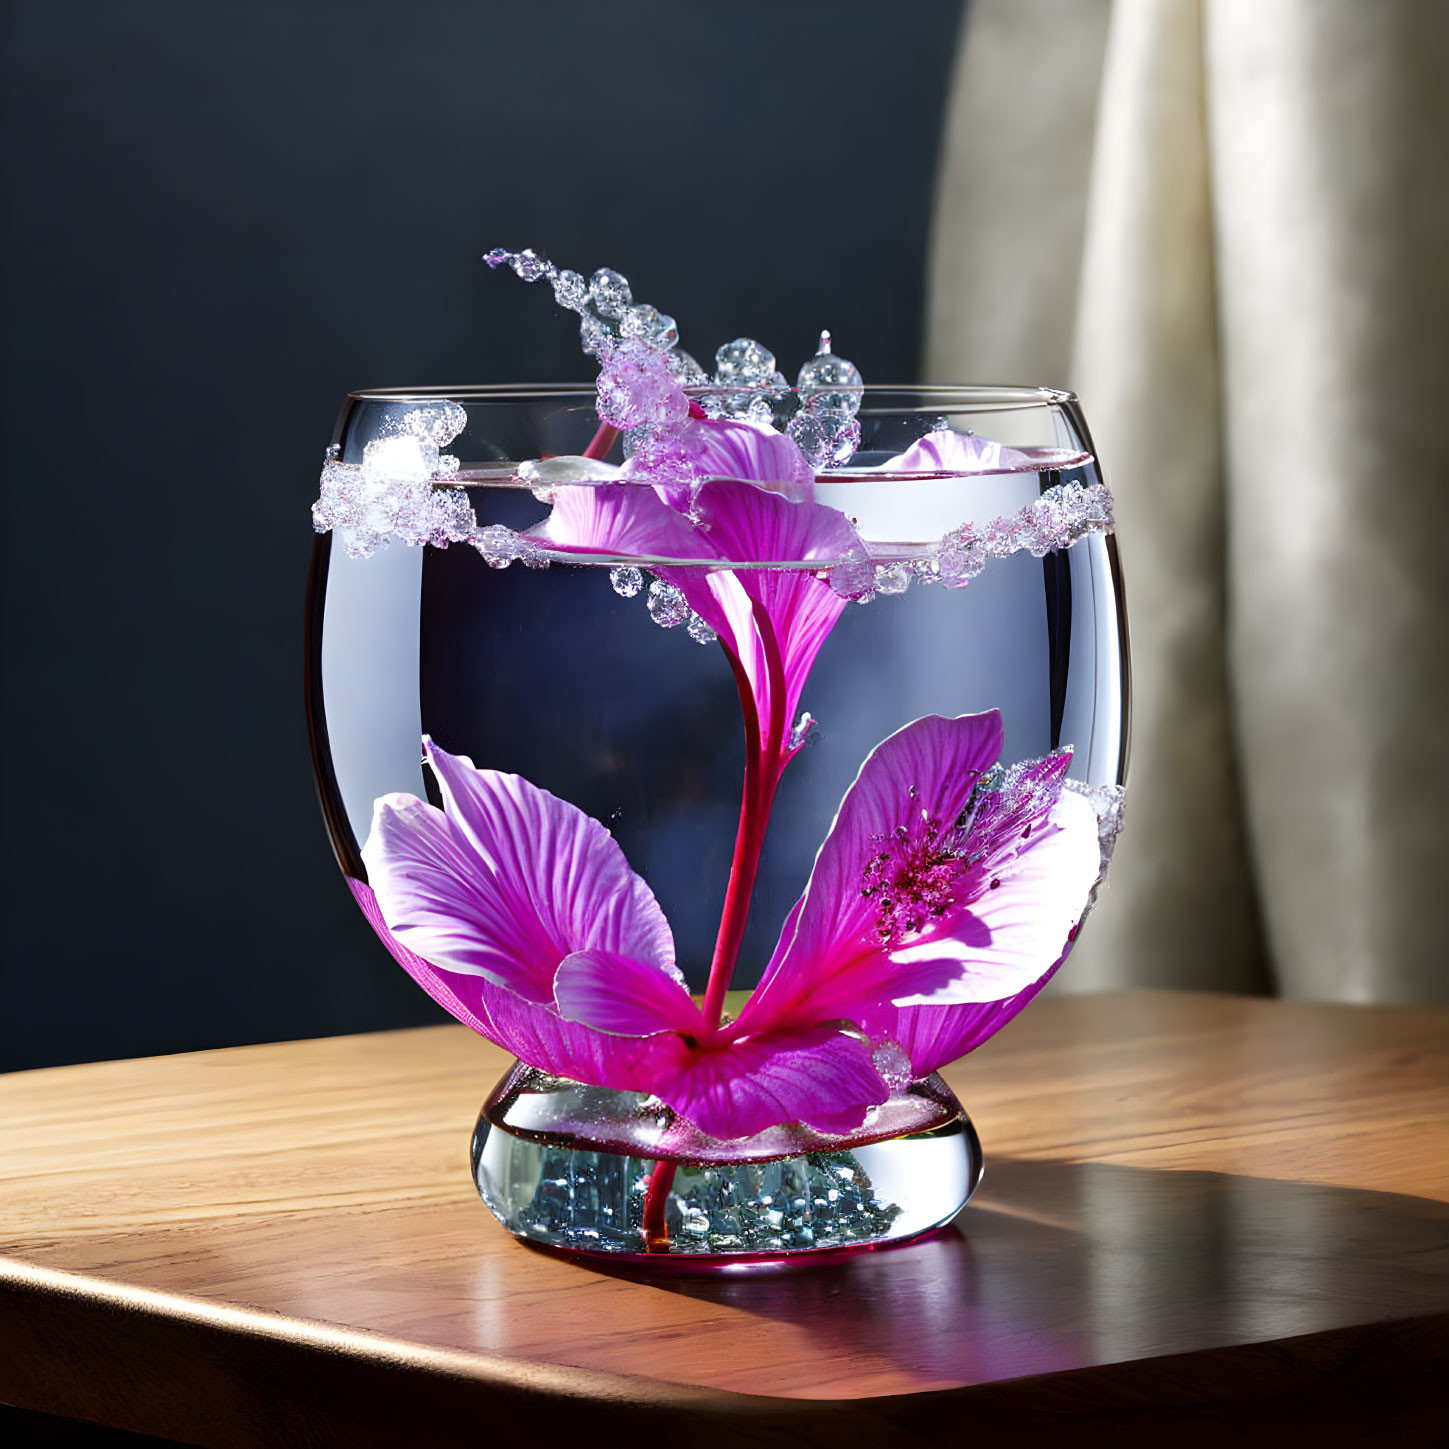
<point x="1220" y="1218"/>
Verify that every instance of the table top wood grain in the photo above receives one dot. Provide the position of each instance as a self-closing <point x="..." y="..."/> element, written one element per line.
<point x="1199" y="1212"/>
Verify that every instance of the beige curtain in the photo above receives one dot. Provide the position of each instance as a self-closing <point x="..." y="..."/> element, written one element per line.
<point x="1225" y="223"/>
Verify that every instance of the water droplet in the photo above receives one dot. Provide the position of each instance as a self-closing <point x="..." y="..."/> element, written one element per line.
<point x="649" y="325"/>
<point x="402" y="458"/>
<point x="528" y="264"/>
<point x="570" y="290"/>
<point x="961" y="557"/>
<point x="686" y="370"/>
<point x="626" y="581"/>
<point x="892" y="578"/>
<point x="498" y="545"/>
<point x="449" y="518"/>
<point x="743" y="363"/>
<point x="828" y="437"/>
<point x="609" y="292"/>
<point x="437" y="422"/>
<point x="667" y="605"/>
<point x="853" y="577"/>
<point x="801" y="731"/>
<point x="699" y="631"/>
<point x="593" y="333"/>
<point x="824" y="372"/>
<point x="760" y="413"/>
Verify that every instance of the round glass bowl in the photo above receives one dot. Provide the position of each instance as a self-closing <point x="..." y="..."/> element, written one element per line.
<point x="993" y="586"/>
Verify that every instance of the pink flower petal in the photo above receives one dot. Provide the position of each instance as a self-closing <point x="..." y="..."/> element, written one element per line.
<point x="725" y="448"/>
<point x="618" y="994"/>
<point x="627" y="519"/>
<point x="817" y="1075"/>
<point x="1028" y="910"/>
<point x="439" y="899"/>
<point x="902" y="909"/>
<point x="947" y="451"/>
<point x="929" y="768"/>
<point x="548" y="856"/>
<point x="932" y="1036"/>
<point x="531" y="1031"/>
<point x="507" y="882"/>
<point x="745" y="524"/>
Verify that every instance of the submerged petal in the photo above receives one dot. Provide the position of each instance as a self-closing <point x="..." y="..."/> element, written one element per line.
<point x="818" y="1075"/>
<point x="440" y="899"/>
<point x="507" y="880"/>
<point x="923" y="773"/>
<point x="913" y="900"/>
<point x="774" y="620"/>
<point x="1028" y="910"/>
<point x="627" y="519"/>
<point x="618" y="994"/>
<point x="932" y="1036"/>
<point x="532" y="1031"/>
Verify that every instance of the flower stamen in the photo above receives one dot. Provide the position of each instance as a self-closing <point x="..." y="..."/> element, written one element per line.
<point x="913" y="878"/>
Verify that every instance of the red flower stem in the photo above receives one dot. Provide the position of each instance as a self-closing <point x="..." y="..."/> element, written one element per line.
<point x="656" y="1199"/>
<point x="601" y="442"/>
<point x="762" y="774"/>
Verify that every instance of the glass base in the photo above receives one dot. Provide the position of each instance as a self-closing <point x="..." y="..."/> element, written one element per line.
<point x="597" y="1172"/>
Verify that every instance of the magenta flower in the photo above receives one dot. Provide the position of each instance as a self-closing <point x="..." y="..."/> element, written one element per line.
<point x="771" y="622"/>
<point x="947" y="891"/>
<point x="939" y="892"/>
<point x="724" y="448"/>
<point x="933" y="894"/>
<point x="519" y="914"/>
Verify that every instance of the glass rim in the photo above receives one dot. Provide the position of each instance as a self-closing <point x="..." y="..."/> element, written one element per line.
<point x="959" y="397"/>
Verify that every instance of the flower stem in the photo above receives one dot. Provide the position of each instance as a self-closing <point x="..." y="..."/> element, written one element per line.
<point x="762" y="773"/>
<point x="656" y="1199"/>
<point x="601" y="442"/>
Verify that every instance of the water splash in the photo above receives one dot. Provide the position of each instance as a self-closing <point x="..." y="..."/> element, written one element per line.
<point x="643" y="372"/>
<point x="393" y="492"/>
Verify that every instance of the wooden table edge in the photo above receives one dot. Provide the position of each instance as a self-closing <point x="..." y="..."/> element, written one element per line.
<point x="223" y="1376"/>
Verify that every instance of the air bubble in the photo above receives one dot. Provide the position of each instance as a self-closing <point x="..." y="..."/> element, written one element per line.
<point x="892" y="578"/>
<point x="626" y="581"/>
<point x="498" y="545"/>
<point x="853" y="577"/>
<point x="699" y="631"/>
<point x="667" y="605"/>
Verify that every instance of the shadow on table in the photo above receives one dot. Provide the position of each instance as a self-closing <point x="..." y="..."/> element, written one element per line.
<point x="1056" y="1266"/>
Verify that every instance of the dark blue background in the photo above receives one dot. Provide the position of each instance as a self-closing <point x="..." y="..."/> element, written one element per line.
<point x="218" y="218"/>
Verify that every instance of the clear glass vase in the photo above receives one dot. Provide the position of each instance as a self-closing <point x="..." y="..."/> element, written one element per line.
<point x="988" y="587"/>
